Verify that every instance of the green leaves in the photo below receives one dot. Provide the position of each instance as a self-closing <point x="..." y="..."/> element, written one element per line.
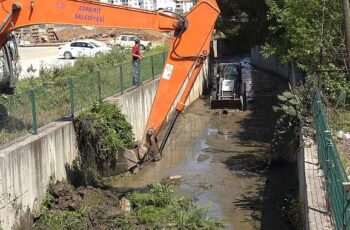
<point x="161" y="209"/>
<point x="289" y="103"/>
<point x="101" y="131"/>
<point x="242" y="21"/>
<point x="301" y="28"/>
<point x="108" y="122"/>
<point x="295" y="108"/>
<point x="336" y="85"/>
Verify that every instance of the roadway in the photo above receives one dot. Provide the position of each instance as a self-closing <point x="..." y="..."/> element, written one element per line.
<point x="37" y="57"/>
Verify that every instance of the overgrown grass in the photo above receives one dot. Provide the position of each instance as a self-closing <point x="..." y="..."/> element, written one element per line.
<point x="339" y="121"/>
<point x="53" y="219"/>
<point x="60" y="88"/>
<point x="161" y="209"/>
<point x="157" y="209"/>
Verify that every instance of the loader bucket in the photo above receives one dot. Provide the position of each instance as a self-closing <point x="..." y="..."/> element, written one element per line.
<point x="225" y="104"/>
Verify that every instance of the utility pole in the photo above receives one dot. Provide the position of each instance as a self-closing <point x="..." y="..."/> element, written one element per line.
<point x="347" y="33"/>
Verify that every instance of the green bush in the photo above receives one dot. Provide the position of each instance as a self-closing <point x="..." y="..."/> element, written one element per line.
<point x="52" y="219"/>
<point x="101" y="131"/>
<point x="334" y="86"/>
<point x="49" y="75"/>
<point x="161" y="209"/>
<point x="295" y="107"/>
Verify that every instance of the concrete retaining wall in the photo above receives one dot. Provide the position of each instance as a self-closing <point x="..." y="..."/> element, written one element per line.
<point x="136" y="105"/>
<point x="27" y="165"/>
<point x="272" y="64"/>
<point x="26" y="168"/>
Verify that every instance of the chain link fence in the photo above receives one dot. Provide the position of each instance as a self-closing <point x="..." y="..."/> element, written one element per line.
<point x="24" y="113"/>
<point x="336" y="179"/>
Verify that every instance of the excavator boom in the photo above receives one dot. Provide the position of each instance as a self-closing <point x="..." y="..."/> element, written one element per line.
<point x="78" y="12"/>
<point x="190" y="47"/>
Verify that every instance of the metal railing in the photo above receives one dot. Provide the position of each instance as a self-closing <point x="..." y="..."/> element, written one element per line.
<point x="24" y="113"/>
<point x="330" y="161"/>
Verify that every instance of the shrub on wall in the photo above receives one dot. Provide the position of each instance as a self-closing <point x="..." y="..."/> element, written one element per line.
<point x="101" y="131"/>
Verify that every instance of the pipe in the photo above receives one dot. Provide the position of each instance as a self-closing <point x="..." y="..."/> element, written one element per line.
<point x="167" y="134"/>
<point x="181" y="104"/>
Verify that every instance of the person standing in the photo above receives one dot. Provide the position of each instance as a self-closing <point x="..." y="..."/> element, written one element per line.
<point x="136" y="57"/>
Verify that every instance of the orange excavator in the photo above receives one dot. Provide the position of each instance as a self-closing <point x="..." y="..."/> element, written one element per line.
<point x="189" y="49"/>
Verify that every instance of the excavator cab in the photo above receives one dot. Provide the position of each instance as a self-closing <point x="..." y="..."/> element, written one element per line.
<point x="9" y="70"/>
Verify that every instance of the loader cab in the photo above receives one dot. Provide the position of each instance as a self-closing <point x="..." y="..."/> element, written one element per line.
<point x="9" y="70"/>
<point x="228" y="90"/>
<point x="228" y="79"/>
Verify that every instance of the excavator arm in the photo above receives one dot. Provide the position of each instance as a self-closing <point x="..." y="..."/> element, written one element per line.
<point x="23" y="13"/>
<point x="189" y="49"/>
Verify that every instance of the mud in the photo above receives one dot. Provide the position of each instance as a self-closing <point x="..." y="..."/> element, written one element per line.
<point x="220" y="156"/>
<point x="82" y="208"/>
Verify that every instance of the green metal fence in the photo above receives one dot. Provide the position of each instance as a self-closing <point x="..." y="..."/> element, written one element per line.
<point x="26" y="112"/>
<point x="335" y="176"/>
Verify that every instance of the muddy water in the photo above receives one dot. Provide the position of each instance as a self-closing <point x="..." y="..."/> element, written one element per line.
<point x="218" y="154"/>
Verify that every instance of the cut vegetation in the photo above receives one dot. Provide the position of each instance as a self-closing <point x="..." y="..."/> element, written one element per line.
<point x="101" y="131"/>
<point x="93" y="208"/>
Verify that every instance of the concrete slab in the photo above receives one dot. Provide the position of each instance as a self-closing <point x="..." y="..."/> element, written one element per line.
<point x="318" y="216"/>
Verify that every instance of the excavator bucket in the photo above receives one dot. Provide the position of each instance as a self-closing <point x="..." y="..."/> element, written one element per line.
<point x="133" y="159"/>
<point x="127" y="161"/>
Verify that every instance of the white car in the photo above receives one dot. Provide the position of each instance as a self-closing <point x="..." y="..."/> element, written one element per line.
<point x="128" y="41"/>
<point x="82" y="48"/>
<point x="101" y="44"/>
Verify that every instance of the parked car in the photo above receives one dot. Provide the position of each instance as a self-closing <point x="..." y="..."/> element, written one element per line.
<point x="98" y="43"/>
<point x="82" y="48"/>
<point x="128" y="41"/>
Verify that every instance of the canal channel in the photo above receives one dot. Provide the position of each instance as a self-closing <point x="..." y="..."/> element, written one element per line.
<point x="221" y="157"/>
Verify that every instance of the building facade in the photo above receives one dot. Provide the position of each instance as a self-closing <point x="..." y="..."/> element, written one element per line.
<point x="166" y="5"/>
<point x="183" y="6"/>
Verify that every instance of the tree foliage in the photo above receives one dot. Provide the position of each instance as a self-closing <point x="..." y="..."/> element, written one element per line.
<point x="300" y="29"/>
<point x="230" y="22"/>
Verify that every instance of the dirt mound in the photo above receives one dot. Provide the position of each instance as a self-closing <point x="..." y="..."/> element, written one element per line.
<point x="86" y="207"/>
<point x="65" y="197"/>
<point x="105" y="33"/>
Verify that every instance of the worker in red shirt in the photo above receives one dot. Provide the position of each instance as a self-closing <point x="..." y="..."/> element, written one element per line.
<point x="136" y="57"/>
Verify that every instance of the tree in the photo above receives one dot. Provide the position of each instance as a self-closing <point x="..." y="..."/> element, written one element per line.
<point x="232" y="20"/>
<point x="301" y="29"/>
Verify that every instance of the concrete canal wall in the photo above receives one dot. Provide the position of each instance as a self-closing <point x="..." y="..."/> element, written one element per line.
<point x="272" y="64"/>
<point x="29" y="164"/>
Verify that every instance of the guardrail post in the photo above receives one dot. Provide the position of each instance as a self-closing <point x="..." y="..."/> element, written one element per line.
<point x="33" y="105"/>
<point x="99" y="81"/>
<point x="328" y="148"/>
<point x="152" y="66"/>
<point x="121" y="79"/>
<point x="71" y="96"/>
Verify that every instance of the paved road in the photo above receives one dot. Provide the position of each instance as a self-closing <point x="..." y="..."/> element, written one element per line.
<point x="37" y="57"/>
